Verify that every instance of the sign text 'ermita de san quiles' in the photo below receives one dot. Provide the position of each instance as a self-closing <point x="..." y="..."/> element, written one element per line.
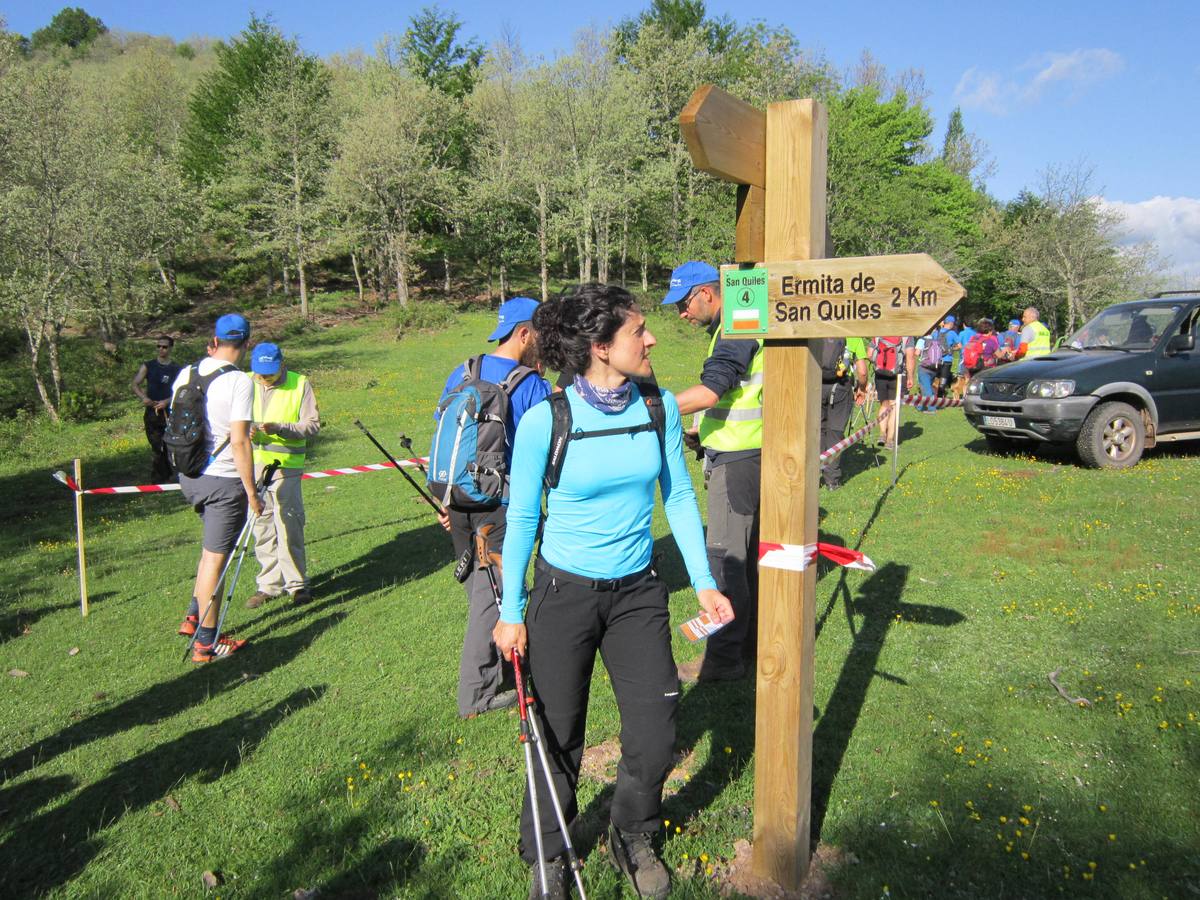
<point x="868" y="296"/>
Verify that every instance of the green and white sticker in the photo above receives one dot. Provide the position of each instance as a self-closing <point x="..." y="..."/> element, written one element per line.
<point x="744" y="302"/>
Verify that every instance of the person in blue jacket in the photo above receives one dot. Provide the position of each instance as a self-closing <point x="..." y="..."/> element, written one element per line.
<point x="481" y="673"/>
<point x="594" y="587"/>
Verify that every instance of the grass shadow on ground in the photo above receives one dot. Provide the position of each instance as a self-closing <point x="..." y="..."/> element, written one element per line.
<point x="14" y="622"/>
<point x="410" y="556"/>
<point x="169" y="698"/>
<point x="53" y="847"/>
<point x="880" y="605"/>
<point x="369" y="864"/>
<point x="990" y="834"/>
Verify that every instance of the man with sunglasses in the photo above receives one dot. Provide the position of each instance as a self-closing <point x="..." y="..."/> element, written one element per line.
<point x="158" y="375"/>
<point x="730" y="397"/>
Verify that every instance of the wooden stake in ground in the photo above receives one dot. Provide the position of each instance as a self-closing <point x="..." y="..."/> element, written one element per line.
<point x="779" y="160"/>
<point x="83" y="592"/>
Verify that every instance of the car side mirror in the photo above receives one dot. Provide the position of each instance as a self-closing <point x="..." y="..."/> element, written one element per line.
<point x="1181" y="343"/>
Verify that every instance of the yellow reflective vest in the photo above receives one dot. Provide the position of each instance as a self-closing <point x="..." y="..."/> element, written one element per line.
<point x="284" y="408"/>
<point x="1040" y="345"/>
<point x="735" y="423"/>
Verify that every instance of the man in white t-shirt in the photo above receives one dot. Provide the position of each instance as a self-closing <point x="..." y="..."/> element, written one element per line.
<point x="221" y="492"/>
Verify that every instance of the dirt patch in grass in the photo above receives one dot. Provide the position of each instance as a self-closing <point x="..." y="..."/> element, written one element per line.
<point x="737" y="877"/>
<point x="600" y="764"/>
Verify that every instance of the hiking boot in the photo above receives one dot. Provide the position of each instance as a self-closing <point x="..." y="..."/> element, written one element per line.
<point x="188" y="626"/>
<point x="304" y="595"/>
<point x="696" y="670"/>
<point x="557" y="880"/>
<point x="632" y="854"/>
<point x="257" y="599"/>
<point x="503" y="700"/>
<point x="224" y="648"/>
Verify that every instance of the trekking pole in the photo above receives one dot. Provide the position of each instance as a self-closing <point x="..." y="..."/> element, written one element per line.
<point x="543" y="757"/>
<point x="531" y="733"/>
<point x="526" y="736"/>
<point x="895" y="424"/>
<point x="406" y="445"/>
<point x="239" y="550"/>
<point x="437" y="507"/>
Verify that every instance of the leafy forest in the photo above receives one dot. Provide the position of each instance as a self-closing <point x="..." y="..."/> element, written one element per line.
<point x="141" y="178"/>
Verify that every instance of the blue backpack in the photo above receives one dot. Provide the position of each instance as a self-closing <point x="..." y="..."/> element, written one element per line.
<point x="468" y="466"/>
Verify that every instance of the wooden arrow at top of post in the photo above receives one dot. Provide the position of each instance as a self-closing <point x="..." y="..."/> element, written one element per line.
<point x="869" y="296"/>
<point x="726" y="137"/>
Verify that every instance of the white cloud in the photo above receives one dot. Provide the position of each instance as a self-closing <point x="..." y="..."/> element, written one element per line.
<point x="1079" y="68"/>
<point x="984" y="90"/>
<point x="998" y="93"/>
<point x="1172" y="224"/>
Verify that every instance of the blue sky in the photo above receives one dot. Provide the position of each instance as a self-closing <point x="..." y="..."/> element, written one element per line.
<point x="1047" y="83"/>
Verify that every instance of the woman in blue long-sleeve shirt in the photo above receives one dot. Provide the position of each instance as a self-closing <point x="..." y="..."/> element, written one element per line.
<point x="593" y="587"/>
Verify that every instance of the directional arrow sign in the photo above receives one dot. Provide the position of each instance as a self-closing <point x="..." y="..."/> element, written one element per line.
<point x="868" y="296"/>
<point x="727" y="137"/>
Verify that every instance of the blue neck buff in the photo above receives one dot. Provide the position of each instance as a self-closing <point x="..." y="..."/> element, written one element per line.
<point x="608" y="400"/>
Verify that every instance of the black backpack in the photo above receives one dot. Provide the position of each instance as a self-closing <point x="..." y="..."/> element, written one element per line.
<point x="187" y="426"/>
<point x="831" y="357"/>
<point x="467" y="461"/>
<point x="561" y="434"/>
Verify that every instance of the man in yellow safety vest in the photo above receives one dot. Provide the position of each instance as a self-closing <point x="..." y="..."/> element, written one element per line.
<point x="285" y="417"/>
<point x="730" y="396"/>
<point x="1035" y="337"/>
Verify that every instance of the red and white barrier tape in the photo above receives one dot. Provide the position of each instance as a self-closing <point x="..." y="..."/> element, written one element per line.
<point x="849" y="441"/>
<point x="931" y="402"/>
<point x="67" y="480"/>
<point x="798" y="557"/>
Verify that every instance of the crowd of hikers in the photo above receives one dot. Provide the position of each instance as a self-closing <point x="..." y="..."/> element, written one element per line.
<point x="562" y="477"/>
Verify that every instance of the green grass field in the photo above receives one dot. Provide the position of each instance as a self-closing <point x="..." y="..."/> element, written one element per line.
<point x="329" y="755"/>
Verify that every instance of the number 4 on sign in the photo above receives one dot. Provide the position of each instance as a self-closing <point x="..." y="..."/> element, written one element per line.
<point x="779" y="159"/>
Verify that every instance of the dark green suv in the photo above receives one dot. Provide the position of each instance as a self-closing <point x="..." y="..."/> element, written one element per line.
<point x="1128" y="379"/>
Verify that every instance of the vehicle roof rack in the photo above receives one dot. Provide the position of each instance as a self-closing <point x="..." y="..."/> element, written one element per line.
<point x="1162" y="294"/>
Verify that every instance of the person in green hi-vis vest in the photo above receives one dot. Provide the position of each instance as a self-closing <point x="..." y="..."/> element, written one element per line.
<point x="285" y="417"/>
<point x="729" y="398"/>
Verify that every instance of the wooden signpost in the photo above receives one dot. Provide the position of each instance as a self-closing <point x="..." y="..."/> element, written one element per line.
<point x="779" y="159"/>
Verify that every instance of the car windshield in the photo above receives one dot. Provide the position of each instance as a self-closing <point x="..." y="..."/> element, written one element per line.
<point x="1126" y="327"/>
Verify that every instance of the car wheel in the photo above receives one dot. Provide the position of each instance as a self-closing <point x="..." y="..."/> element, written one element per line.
<point x="1112" y="437"/>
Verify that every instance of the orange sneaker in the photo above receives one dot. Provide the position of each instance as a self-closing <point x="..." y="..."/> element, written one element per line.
<point x="204" y="653"/>
<point x="188" y="626"/>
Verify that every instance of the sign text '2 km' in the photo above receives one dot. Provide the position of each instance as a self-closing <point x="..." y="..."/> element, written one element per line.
<point x="868" y="296"/>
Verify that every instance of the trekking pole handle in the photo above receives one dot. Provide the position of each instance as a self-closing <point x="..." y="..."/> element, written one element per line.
<point x="264" y="480"/>
<point x="522" y="698"/>
<point x="406" y="444"/>
<point x="437" y="507"/>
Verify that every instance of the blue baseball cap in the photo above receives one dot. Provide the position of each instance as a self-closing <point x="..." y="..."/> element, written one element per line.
<point x="512" y="313"/>
<point x="266" y="359"/>
<point x="688" y="276"/>
<point x="950" y="319"/>
<point x="1012" y="323"/>
<point x="232" y="327"/>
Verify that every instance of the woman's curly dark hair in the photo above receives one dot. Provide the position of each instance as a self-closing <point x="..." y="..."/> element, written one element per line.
<point x="568" y="325"/>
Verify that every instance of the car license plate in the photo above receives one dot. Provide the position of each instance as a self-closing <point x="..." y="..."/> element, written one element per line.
<point x="1000" y="421"/>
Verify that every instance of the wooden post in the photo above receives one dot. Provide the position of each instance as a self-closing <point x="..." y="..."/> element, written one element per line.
<point x="83" y="592"/>
<point x="797" y="138"/>
<point x="779" y="162"/>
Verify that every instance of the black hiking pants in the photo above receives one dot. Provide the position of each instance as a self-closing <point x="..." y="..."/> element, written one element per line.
<point x="155" y="423"/>
<point x="627" y="622"/>
<point x="837" y="401"/>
